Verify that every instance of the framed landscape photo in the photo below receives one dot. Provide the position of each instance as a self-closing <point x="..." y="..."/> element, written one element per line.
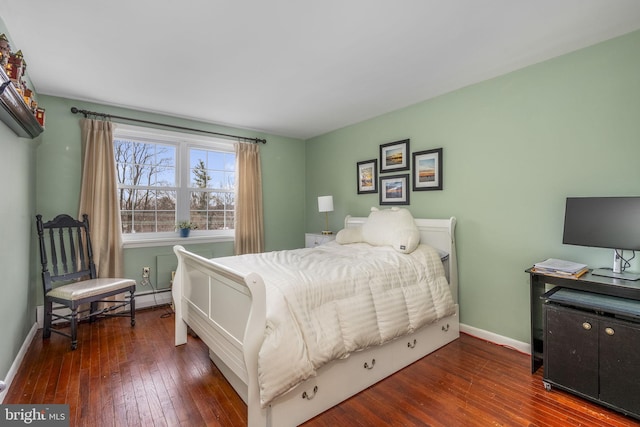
<point x="427" y="170"/>
<point x="368" y="176"/>
<point x="394" y="156"/>
<point x="394" y="190"/>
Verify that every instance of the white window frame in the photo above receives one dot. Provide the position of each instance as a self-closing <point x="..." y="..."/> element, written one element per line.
<point x="183" y="142"/>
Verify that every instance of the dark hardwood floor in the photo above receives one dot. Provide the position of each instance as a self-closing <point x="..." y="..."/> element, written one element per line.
<point x="122" y="376"/>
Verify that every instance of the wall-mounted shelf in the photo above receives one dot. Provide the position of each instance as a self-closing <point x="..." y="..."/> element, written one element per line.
<point x="14" y="112"/>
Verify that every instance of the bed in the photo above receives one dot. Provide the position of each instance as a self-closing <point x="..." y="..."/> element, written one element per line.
<point x="225" y="304"/>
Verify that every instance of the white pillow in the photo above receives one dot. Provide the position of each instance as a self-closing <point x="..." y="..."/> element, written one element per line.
<point x="349" y="235"/>
<point x="393" y="227"/>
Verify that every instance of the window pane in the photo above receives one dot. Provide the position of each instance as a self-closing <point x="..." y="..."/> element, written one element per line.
<point x="212" y="169"/>
<point x="197" y="156"/>
<point x="221" y="161"/>
<point x="199" y="218"/>
<point x="166" y="220"/>
<point x="227" y="200"/>
<point x="149" y="190"/>
<point x="166" y="200"/>
<point x="145" y="164"/>
<point x="166" y="177"/>
<point x="221" y="220"/>
<point x="200" y="177"/>
<point x="144" y="200"/>
<point x="125" y="197"/>
<point x="127" y="221"/>
<point x="212" y="210"/>
<point x="198" y="200"/>
<point x="143" y="221"/>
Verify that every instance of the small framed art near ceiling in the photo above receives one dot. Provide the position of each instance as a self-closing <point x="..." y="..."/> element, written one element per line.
<point x="394" y="190"/>
<point x="367" y="176"/>
<point x="394" y="156"/>
<point x="427" y="170"/>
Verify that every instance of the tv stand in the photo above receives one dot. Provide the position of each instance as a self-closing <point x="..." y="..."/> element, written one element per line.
<point x="607" y="272"/>
<point x="541" y="283"/>
<point x="589" y="342"/>
<point x="591" y="348"/>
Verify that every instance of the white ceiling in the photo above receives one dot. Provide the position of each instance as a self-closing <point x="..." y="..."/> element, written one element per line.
<point x="292" y="67"/>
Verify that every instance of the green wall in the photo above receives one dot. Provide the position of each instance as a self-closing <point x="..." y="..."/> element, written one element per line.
<point x="514" y="148"/>
<point x="59" y="176"/>
<point x="17" y="305"/>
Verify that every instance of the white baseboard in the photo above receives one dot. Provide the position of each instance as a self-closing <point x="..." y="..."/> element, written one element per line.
<point x="149" y="300"/>
<point x="143" y="300"/>
<point x="18" y="360"/>
<point x="520" y="346"/>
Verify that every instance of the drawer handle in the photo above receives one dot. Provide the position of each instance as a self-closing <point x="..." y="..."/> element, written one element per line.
<point x="609" y="331"/>
<point x="310" y="396"/>
<point x="412" y="344"/>
<point x="367" y="366"/>
<point x="445" y="328"/>
<point x="586" y="325"/>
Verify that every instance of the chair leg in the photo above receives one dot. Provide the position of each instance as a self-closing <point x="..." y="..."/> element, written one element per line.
<point x="46" y="329"/>
<point x="132" y="307"/>
<point x="93" y="309"/>
<point x="74" y="328"/>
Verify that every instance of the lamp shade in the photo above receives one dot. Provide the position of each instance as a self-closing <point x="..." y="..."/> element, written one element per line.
<point x="325" y="204"/>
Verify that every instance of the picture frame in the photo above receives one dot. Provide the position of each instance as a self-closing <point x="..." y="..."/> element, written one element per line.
<point x="394" y="156"/>
<point x="394" y="190"/>
<point x="427" y="170"/>
<point x="367" y="171"/>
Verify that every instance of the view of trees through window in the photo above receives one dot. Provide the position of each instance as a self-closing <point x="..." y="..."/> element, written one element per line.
<point x="156" y="191"/>
<point x="212" y="189"/>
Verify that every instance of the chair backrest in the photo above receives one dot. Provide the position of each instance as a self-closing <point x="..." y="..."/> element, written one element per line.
<point x="68" y="244"/>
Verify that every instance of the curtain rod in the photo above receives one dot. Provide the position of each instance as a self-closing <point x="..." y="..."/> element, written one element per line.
<point x="86" y="113"/>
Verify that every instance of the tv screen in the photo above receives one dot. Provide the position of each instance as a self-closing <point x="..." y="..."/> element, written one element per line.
<point x="604" y="222"/>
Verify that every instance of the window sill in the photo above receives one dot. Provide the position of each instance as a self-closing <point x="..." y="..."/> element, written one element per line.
<point x="173" y="240"/>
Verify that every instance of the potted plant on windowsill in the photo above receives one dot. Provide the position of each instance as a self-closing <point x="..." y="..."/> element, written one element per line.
<point x="185" y="228"/>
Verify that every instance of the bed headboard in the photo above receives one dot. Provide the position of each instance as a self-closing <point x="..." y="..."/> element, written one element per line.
<point x="438" y="233"/>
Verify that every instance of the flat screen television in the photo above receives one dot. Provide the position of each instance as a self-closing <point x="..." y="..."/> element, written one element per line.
<point x="605" y="222"/>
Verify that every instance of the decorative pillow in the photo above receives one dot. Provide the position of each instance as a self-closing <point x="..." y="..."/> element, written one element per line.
<point x="349" y="235"/>
<point x="406" y="241"/>
<point x="393" y="227"/>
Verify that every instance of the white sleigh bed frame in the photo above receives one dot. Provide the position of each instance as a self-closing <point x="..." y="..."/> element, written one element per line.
<point x="227" y="311"/>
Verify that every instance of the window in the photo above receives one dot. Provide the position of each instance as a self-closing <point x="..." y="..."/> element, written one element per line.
<point x="166" y="177"/>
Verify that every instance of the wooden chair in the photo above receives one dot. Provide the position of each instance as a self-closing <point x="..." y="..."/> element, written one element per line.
<point x="68" y="243"/>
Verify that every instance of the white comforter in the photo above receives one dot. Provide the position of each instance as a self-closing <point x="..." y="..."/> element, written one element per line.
<point x="326" y="302"/>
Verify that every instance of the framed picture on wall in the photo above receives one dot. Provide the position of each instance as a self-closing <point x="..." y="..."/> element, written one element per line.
<point x="427" y="170"/>
<point x="394" y="156"/>
<point x="394" y="190"/>
<point x="367" y="176"/>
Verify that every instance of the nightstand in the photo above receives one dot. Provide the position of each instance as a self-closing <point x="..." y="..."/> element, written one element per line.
<point x="311" y="240"/>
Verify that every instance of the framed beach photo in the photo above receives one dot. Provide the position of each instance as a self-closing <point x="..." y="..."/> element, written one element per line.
<point x="394" y="156"/>
<point x="427" y="170"/>
<point x="394" y="190"/>
<point x="367" y="176"/>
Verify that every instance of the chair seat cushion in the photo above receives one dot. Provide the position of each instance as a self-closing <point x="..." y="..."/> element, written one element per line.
<point x="89" y="288"/>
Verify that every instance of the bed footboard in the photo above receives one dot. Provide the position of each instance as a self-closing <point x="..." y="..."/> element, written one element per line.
<point x="227" y="310"/>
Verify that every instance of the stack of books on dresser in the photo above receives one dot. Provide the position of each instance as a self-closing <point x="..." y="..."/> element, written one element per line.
<point x="559" y="267"/>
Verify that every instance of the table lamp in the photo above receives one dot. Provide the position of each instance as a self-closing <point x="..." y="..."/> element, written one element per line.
<point x="325" y="204"/>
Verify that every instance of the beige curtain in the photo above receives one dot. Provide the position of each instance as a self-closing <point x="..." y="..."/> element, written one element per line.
<point x="249" y="226"/>
<point x="99" y="197"/>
